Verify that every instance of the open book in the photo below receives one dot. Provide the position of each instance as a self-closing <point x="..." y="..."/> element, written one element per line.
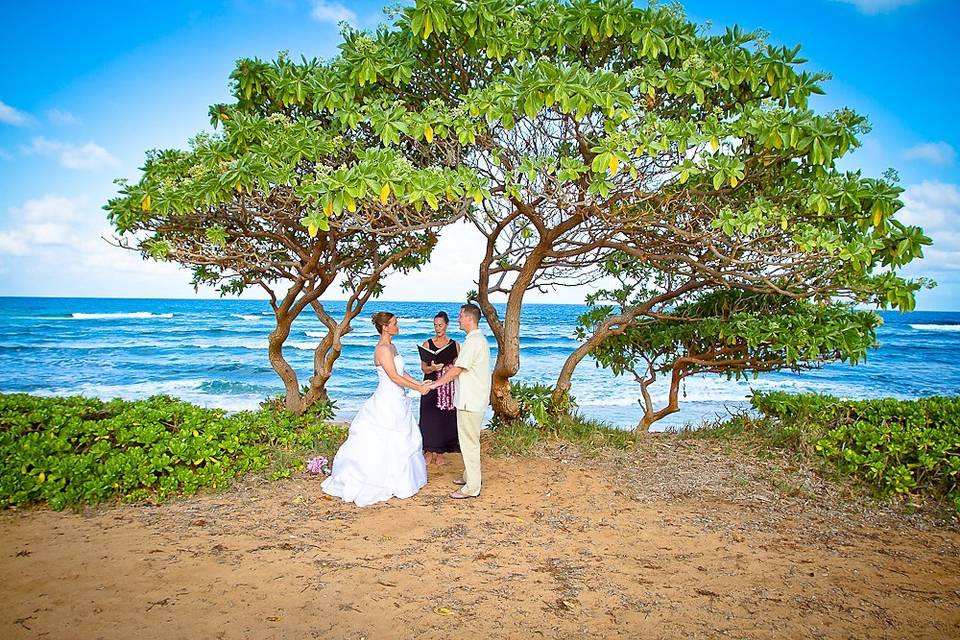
<point x="444" y="355"/>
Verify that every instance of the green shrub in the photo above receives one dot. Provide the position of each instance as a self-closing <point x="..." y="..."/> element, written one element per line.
<point x="897" y="446"/>
<point x="321" y="409"/>
<point x="536" y="403"/>
<point x="541" y="419"/>
<point x="75" y="451"/>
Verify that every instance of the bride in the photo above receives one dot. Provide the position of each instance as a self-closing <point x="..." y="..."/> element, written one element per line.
<point x="382" y="457"/>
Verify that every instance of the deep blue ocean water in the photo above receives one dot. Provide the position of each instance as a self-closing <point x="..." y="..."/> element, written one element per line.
<point x="213" y="353"/>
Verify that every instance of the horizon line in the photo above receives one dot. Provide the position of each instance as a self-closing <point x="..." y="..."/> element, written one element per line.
<point x="562" y="304"/>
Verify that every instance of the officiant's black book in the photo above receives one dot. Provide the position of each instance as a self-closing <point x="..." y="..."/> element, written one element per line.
<point x="444" y="355"/>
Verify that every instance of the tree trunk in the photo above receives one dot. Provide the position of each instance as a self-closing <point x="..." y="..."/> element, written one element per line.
<point x="610" y="327"/>
<point x="331" y="347"/>
<point x="505" y="406"/>
<point x="507" y="333"/>
<point x="673" y="404"/>
<point x="291" y="385"/>
<point x="327" y="352"/>
<point x="615" y="325"/>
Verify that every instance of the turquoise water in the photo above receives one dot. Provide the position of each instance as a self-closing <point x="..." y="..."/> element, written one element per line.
<point x="213" y="353"/>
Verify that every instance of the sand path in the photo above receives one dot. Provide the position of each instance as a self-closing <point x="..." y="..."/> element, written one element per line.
<point x="677" y="539"/>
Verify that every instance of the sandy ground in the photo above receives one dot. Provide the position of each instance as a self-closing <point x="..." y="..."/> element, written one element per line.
<point x="678" y="539"/>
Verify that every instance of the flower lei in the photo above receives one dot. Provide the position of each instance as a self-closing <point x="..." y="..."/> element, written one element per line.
<point x="445" y="392"/>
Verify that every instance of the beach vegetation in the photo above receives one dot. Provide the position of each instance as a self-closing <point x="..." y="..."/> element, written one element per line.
<point x="541" y="421"/>
<point x="907" y="448"/>
<point x="79" y="451"/>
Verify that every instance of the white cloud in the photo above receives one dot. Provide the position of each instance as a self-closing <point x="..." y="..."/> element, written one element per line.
<point x="88" y="157"/>
<point x="453" y="271"/>
<point x="49" y="208"/>
<point x="9" y="115"/>
<point x="12" y="243"/>
<point x="68" y="256"/>
<point x="58" y="116"/>
<point x="4" y="155"/>
<point x="939" y="153"/>
<point x="64" y="238"/>
<point x="333" y="12"/>
<point x="47" y="221"/>
<point x="873" y="7"/>
<point x="934" y="206"/>
<point x="27" y="238"/>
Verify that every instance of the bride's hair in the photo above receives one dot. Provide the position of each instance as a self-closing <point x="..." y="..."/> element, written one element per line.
<point x="381" y="319"/>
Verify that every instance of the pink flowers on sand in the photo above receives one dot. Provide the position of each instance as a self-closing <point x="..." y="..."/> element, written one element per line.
<point x="318" y="465"/>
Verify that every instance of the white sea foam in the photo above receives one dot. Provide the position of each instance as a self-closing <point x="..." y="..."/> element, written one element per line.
<point x="936" y="327"/>
<point x="136" y="315"/>
<point x="230" y="343"/>
<point x="701" y="389"/>
<point x="130" y="390"/>
<point x="248" y="317"/>
<point x="301" y="345"/>
<point x="188" y="390"/>
<point x="136" y="343"/>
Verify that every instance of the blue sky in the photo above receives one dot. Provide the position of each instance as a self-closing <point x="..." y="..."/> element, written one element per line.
<point x="88" y="87"/>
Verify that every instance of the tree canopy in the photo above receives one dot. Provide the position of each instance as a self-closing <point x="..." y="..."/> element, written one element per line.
<point x="573" y="135"/>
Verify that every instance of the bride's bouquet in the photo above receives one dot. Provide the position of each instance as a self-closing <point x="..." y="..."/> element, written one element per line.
<point x="318" y="465"/>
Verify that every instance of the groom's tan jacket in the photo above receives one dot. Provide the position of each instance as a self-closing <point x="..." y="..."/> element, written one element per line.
<point x="472" y="388"/>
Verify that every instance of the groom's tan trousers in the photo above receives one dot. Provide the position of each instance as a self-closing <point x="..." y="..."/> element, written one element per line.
<point x="468" y="432"/>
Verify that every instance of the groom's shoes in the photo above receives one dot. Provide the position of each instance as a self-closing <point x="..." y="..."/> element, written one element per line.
<point x="459" y="483"/>
<point x="456" y="495"/>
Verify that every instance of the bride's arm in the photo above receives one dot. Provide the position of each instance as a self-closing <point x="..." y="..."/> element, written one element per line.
<point x="384" y="357"/>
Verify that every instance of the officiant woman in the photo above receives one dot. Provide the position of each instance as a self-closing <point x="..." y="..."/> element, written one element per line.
<point x="438" y="416"/>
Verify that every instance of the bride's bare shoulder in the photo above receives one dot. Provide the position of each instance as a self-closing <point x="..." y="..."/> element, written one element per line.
<point x="384" y="352"/>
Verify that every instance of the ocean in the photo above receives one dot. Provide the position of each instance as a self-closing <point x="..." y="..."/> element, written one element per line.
<point x="213" y="353"/>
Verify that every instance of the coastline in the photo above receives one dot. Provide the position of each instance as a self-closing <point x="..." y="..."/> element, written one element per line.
<point x="213" y="353"/>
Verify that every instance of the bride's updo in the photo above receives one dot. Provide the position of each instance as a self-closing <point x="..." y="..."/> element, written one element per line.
<point x="381" y="319"/>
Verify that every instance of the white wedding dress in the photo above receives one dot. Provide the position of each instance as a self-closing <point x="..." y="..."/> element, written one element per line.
<point x="383" y="455"/>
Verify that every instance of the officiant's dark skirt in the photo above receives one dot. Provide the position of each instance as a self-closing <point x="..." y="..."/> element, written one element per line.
<point x="437" y="426"/>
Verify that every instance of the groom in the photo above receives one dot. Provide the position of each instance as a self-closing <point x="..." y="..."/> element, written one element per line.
<point x="471" y="397"/>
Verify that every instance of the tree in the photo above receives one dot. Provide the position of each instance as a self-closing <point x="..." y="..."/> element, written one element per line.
<point x="733" y="333"/>
<point x="608" y="129"/>
<point x="777" y="233"/>
<point x="291" y="197"/>
<point x="581" y="131"/>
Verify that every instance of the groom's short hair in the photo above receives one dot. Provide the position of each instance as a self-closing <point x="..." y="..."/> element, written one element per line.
<point x="471" y="310"/>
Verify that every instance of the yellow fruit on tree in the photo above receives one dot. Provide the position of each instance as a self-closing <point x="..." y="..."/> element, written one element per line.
<point x="614" y="164"/>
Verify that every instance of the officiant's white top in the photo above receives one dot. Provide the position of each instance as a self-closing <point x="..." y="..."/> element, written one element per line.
<point x="472" y="390"/>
